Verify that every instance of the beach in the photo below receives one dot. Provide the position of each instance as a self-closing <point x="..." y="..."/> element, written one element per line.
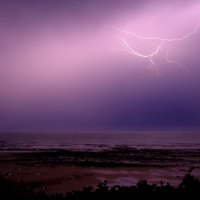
<point x="61" y="171"/>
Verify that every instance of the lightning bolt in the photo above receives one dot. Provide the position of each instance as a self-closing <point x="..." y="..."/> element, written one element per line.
<point x="161" y="43"/>
<point x="167" y="59"/>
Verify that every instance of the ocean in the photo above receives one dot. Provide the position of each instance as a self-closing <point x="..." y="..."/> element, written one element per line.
<point x="97" y="141"/>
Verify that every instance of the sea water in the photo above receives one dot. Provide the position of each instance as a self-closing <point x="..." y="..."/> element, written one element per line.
<point x="95" y="141"/>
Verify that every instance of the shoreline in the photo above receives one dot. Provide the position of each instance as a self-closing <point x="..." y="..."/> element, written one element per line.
<point x="60" y="171"/>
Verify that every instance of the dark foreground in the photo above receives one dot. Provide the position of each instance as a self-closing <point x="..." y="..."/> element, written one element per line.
<point x="50" y="174"/>
<point x="188" y="188"/>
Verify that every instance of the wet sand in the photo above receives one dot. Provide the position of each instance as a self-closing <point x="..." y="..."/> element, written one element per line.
<point x="59" y="171"/>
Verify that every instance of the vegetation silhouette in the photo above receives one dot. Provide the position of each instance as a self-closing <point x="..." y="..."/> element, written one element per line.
<point x="189" y="187"/>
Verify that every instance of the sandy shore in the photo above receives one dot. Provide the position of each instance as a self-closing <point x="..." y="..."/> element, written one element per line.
<point x="42" y="170"/>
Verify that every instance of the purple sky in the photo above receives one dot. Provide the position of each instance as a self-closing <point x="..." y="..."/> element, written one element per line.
<point x="62" y="68"/>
